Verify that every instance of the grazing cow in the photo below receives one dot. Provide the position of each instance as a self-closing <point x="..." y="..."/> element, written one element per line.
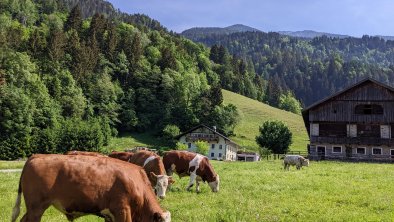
<point x="196" y="166"/>
<point x="78" y="185"/>
<point x="86" y="153"/>
<point x="125" y="156"/>
<point x="296" y="160"/>
<point x="155" y="170"/>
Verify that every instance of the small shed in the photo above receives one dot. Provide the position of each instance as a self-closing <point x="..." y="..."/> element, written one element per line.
<point x="247" y="156"/>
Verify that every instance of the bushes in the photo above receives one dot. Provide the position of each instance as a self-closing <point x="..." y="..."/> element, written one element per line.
<point x="275" y="136"/>
<point x="72" y="134"/>
<point x="81" y="135"/>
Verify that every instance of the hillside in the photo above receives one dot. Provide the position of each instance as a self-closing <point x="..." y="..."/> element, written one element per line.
<point x="254" y="113"/>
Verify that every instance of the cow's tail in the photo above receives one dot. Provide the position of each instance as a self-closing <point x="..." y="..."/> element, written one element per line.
<point x="17" y="208"/>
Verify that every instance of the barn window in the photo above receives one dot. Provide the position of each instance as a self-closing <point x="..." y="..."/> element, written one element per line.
<point x="213" y="146"/>
<point x="220" y="146"/>
<point x="189" y="145"/>
<point x="368" y="109"/>
<point x="377" y="151"/>
<point x="361" y="150"/>
<point x="337" y="149"/>
<point x="220" y="154"/>
<point x="212" y="154"/>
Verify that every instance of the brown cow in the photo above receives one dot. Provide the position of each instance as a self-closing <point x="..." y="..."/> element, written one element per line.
<point x="155" y="170"/>
<point x="197" y="166"/>
<point x="78" y="185"/>
<point x="86" y="153"/>
<point x="125" y="156"/>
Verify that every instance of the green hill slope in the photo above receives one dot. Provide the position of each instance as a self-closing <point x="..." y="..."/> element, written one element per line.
<point x="254" y="113"/>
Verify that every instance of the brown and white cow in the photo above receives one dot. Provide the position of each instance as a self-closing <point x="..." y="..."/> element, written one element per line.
<point x="154" y="168"/>
<point x="125" y="156"/>
<point x="78" y="185"/>
<point x="295" y="160"/>
<point x="196" y="166"/>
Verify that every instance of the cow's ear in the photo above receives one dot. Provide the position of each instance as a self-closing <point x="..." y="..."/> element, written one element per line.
<point x="170" y="180"/>
<point x="153" y="174"/>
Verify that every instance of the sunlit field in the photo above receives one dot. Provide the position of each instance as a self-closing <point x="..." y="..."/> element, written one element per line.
<point x="262" y="191"/>
<point x="254" y="113"/>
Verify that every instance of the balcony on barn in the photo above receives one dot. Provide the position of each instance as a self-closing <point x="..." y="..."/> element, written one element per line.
<point x="208" y="137"/>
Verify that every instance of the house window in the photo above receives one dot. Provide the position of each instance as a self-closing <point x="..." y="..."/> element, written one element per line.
<point x="220" y="146"/>
<point x="220" y="154"/>
<point x="368" y="109"/>
<point x="337" y="149"/>
<point x="212" y="154"/>
<point x="377" y="151"/>
<point x="189" y="145"/>
<point x="213" y="146"/>
<point x="360" y="150"/>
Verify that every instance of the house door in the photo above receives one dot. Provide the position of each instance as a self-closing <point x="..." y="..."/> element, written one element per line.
<point x="321" y="152"/>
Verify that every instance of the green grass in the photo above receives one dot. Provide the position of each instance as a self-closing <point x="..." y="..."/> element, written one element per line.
<point x="254" y="113"/>
<point x="262" y="191"/>
<point x="11" y="164"/>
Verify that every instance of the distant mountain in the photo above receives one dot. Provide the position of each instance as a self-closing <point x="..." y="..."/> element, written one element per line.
<point x="203" y="31"/>
<point x="310" y="34"/>
<point x="199" y="32"/>
<point x="391" y="38"/>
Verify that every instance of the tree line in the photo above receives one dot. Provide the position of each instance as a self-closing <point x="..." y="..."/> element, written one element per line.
<point x="71" y="82"/>
<point x="308" y="69"/>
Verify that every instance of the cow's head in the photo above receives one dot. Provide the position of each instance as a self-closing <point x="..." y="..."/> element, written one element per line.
<point x="305" y="162"/>
<point x="162" y="182"/>
<point x="162" y="217"/>
<point x="215" y="184"/>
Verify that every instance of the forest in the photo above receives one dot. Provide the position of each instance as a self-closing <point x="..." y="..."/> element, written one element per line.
<point x="310" y="69"/>
<point x="73" y="74"/>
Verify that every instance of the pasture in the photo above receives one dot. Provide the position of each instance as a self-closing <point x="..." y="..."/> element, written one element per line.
<point x="254" y="113"/>
<point x="262" y="191"/>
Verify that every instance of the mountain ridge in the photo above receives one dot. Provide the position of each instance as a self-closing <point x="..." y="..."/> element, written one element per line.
<point x="306" y="34"/>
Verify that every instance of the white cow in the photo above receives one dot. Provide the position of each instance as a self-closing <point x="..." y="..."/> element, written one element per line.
<point x="295" y="160"/>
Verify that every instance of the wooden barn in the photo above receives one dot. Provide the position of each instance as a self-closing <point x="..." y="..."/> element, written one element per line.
<point x="355" y="123"/>
<point x="220" y="147"/>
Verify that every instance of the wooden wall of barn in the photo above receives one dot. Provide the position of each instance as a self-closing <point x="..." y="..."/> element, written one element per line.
<point x="342" y="107"/>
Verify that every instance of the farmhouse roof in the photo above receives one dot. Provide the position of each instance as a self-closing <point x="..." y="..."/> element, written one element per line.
<point x="209" y="128"/>
<point x="305" y="112"/>
<point x="327" y="99"/>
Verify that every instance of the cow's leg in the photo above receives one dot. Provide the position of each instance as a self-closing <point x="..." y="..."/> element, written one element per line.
<point x="34" y="214"/>
<point x="198" y="180"/>
<point x="285" y="166"/>
<point x="123" y="215"/>
<point x="170" y="173"/>
<point x="193" y="177"/>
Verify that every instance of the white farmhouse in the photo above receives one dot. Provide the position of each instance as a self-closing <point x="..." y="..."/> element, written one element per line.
<point x="220" y="147"/>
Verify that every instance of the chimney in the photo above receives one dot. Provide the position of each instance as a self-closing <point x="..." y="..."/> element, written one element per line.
<point x="214" y="128"/>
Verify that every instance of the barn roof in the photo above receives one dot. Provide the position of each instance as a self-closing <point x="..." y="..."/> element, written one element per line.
<point x="209" y="128"/>
<point x="305" y="111"/>
<point x="362" y="82"/>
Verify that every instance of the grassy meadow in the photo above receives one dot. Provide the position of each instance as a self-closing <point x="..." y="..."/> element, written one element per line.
<point x="254" y="113"/>
<point x="262" y="191"/>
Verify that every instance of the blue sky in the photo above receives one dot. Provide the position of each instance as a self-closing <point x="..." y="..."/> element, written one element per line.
<point x="351" y="17"/>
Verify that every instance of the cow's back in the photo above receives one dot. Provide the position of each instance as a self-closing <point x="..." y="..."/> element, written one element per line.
<point x="140" y="157"/>
<point x="180" y="159"/>
<point x="125" y="156"/>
